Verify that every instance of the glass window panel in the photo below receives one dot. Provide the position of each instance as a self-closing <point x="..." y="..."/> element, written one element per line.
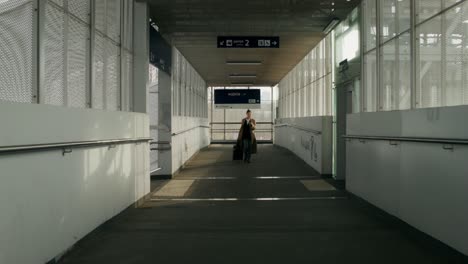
<point x="396" y="69"/>
<point x="396" y="18"/>
<point x="370" y="23"/>
<point x="429" y="89"/>
<point x="370" y="73"/>
<point x="456" y="52"/>
<point x="265" y="93"/>
<point x="328" y="86"/>
<point x="427" y="8"/>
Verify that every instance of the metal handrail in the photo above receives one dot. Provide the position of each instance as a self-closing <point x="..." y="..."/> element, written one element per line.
<point x="239" y="123"/>
<point x="187" y="130"/>
<point x="160" y="143"/>
<point x="69" y="145"/>
<point x="300" y="128"/>
<point x="218" y="130"/>
<point x="411" y="139"/>
<point x="163" y="149"/>
<point x="155" y="170"/>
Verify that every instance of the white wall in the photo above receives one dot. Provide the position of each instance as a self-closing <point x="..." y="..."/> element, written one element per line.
<point x="423" y="184"/>
<point x="314" y="149"/>
<point x="188" y="143"/>
<point x="188" y="105"/>
<point x="49" y="201"/>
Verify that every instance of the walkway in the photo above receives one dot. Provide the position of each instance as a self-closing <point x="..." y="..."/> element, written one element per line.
<point x="211" y="214"/>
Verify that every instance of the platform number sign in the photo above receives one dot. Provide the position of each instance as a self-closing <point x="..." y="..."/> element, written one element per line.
<point x="248" y="42"/>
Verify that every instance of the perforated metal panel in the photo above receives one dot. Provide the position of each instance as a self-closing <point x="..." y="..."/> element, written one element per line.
<point x="128" y="26"/>
<point x="58" y="2"/>
<point x="16" y="51"/>
<point x="81" y="9"/>
<point x="113" y="20"/>
<point x="112" y="76"/>
<point x="9" y="5"/>
<point x="77" y="71"/>
<point x="53" y="88"/>
<point x="99" y="72"/>
<point x="127" y="80"/>
<point x="100" y="16"/>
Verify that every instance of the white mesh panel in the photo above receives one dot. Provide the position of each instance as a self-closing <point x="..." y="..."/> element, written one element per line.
<point x="80" y="9"/>
<point x="99" y="72"/>
<point x="127" y="79"/>
<point x="128" y="26"/>
<point x="16" y="35"/>
<point x="113" y="20"/>
<point x="53" y="88"/>
<point x="77" y="63"/>
<point x="112" y="76"/>
<point x="100" y="15"/>
<point x="57" y="2"/>
<point x="9" y="5"/>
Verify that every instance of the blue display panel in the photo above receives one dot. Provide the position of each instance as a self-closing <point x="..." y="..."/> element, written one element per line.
<point x="239" y="98"/>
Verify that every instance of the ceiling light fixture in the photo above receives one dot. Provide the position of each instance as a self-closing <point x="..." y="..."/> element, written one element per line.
<point x="243" y="76"/>
<point x="335" y="21"/>
<point x="243" y="62"/>
<point x="241" y="84"/>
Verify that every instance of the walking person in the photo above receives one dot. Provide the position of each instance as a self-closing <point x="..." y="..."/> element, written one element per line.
<point x="246" y="138"/>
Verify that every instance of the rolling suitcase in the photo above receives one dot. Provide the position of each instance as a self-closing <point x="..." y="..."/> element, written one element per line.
<point x="237" y="153"/>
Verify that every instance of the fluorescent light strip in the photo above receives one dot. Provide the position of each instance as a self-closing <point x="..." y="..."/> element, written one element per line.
<point x="243" y="76"/>
<point x="243" y="62"/>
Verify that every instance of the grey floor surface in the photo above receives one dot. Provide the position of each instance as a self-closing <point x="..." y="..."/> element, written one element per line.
<point x="219" y="219"/>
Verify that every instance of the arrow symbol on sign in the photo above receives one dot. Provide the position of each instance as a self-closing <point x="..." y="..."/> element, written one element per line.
<point x="274" y="43"/>
<point x="221" y="43"/>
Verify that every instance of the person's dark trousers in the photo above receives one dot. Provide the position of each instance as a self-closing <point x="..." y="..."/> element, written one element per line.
<point x="247" y="143"/>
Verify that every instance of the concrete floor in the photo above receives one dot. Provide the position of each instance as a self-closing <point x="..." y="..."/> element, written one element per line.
<point x="194" y="219"/>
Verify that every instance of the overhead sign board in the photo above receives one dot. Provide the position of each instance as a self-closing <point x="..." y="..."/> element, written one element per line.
<point x="237" y="99"/>
<point x="248" y="42"/>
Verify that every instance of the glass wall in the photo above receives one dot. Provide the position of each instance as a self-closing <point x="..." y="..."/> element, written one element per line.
<point x="189" y="95"/>
<point x="417" y="63"/>
<point x="225" y="123"/>
<point x="82" y="62"/>
<point x="306" y="90"/>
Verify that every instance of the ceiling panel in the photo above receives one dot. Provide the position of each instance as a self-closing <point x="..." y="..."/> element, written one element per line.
<point x="193" y="26"/>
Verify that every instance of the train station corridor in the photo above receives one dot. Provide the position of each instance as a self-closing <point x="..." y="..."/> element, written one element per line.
<point x="242" y="131"/>
<point x="274" y="210"/>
